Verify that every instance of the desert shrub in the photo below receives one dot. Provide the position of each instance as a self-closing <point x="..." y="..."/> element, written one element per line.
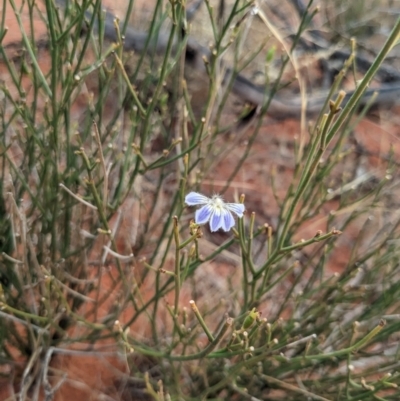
<point x="104" y="134"/>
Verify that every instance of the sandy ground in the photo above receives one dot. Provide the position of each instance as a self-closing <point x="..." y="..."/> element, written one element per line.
<point x="97" y="377"/>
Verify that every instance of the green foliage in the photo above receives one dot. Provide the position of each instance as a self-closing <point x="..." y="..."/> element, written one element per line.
<point x="97" y="154"/>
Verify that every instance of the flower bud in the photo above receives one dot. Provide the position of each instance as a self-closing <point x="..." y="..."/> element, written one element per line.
<point x="250" y="319"/>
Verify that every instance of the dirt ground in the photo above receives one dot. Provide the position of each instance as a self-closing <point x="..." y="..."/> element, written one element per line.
<point x="97" y="377"/>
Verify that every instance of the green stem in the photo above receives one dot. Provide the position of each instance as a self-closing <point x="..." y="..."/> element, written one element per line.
<point x="363" y="85"/>
<point x="201" y="320"/>
<point x="177" y="265"/>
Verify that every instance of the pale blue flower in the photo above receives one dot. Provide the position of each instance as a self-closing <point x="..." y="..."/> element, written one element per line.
<point x="214" y="210"/>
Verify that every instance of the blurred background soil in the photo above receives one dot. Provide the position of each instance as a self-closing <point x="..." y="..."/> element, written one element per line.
<point x="99" y="378"/>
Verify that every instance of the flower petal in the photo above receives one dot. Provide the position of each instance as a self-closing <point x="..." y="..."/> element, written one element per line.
<point x="228" y="221"/>
<point x="237" y="208"/>
<point x="203" y="214"/>
<point x="216" y="220"/>
<point x="194" y="199"/>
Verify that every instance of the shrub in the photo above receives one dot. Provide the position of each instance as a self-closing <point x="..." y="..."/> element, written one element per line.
<point x="100" y="254"/>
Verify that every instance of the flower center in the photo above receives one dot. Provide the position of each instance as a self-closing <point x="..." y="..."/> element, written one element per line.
<point x="218" y="203"/>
